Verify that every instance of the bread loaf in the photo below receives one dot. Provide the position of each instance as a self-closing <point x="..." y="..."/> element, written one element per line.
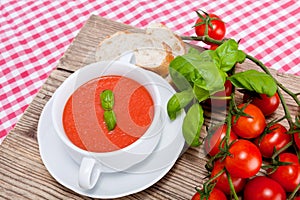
<point x="153" y="48"/>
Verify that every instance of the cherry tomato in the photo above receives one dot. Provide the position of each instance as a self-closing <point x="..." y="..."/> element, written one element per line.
<point x="263" y="188"/>
<point x="215" y="194"/>
<point x="217" y="31"/>
<point x="221" y="103"/>
<point x="297" y="139"/>
<point x="245" y="159"/>
<point x="213" y="140"/>
<point x="213" y="46"/>
<point x="249" y="127"/>
<point x="288" y="176"/>
<point x="268" y="105"/>
<point x="222" y="180"/>
<point x="296" y="136"/>
<point x="276" y="138"/>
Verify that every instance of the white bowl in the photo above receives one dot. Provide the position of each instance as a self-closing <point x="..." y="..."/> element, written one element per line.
<point x="92" y="163"/>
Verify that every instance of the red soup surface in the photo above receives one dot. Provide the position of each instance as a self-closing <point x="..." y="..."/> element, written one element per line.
<point x="83" y="114"/>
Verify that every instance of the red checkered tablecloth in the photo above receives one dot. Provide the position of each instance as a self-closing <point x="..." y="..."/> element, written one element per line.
<point x="35" y="34"/>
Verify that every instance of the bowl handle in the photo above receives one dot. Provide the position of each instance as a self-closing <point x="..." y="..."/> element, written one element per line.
<point x="89" y="173"/>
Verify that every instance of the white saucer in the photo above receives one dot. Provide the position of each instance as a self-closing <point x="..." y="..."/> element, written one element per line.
<point x="113" y="185"/>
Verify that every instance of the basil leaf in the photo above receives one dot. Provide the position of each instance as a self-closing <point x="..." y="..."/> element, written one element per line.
<point x="179" y="101"/>
<point x="193" y="50"/>
<point x="110" y="119"/>
<point x="255" y="81"/>
<point x="181" y="72"/>
<point x="192" y="125"/>
<point x="211" y="78"/>
<point x="198" y="69"/>
<point x="107" y="99"/>
<point x="227" y="55"/>
<point x="200" y="93"/>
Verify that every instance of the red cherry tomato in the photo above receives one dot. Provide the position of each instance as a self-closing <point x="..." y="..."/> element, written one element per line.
<point x="217" y="31"/>
<point x="213" y="46"/>
<point x="288" y="176"/>
<point x="268" y="105"/>
<point x="222" y="180"/>
<point x="263" y="188"/>
<point x="245" y="159"/>
<point x="215" y="194"/>
<point x="276" y="138"/>
<point x="213" y="140"/>
<point x="221" y="103"/>
<point x="296" y="136"/>
<point x="249" y="127"/>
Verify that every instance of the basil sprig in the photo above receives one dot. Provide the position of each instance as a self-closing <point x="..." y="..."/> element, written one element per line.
<point x="107" y="99"/>
<point x="107" y="103"/>
<point x="198" y="75"/>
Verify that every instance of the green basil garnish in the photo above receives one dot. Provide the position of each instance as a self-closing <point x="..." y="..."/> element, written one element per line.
<point x="107" y="99"/>
<point x="110" y="119"/>
<point x="107" y="102"/>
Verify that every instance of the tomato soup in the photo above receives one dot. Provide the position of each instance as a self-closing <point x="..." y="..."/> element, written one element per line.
<point x="83" y="114"/>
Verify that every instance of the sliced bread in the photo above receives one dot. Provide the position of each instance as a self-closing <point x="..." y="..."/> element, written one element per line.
<point x="154" y="48"/>
<point x="162" y="32"/>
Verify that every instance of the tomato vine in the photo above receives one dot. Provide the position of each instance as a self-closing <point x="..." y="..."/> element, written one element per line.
<point x="294" y="96"/>
<point x="198" y="76"/>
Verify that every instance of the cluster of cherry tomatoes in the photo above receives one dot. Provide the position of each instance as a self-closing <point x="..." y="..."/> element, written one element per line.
<point x="253" y="144"/>
<point x="255" y="157"/>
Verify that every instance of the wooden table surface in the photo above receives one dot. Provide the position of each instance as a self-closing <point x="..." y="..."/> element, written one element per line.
<point x="22" y="172"/>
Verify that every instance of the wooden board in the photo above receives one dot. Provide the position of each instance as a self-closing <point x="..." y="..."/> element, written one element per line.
<point x="22" y="173"/>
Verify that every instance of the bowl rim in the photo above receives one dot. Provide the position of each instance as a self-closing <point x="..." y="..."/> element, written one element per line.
<point x="156" y="99"/>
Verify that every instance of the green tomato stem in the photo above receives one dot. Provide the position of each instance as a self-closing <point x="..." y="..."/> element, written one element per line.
<point x="229" y="115"/>
<point x="220" y="98"/>
<point x="228" y="119"/>
<point x="206" y="29"/>
<point x="204" y="38"/>
<point x="211" y="180"/>
<point x="209" y="164"/>
<point x="286" y="109"/>
<point x="292" y="195"/>
<point x="231" y="186"/>
<point x="282" y="150"/>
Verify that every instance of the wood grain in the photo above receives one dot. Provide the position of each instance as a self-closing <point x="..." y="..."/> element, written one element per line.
<point x="23" y="175"/>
